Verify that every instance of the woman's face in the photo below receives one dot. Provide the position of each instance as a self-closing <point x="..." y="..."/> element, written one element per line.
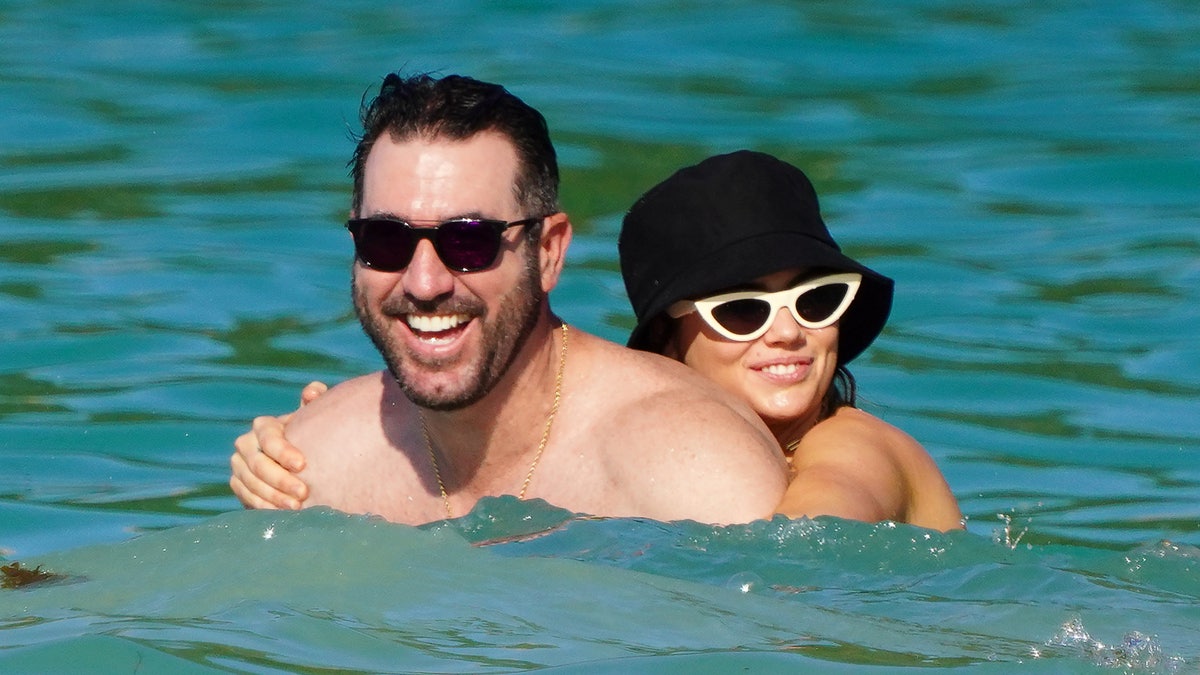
<point x="784" y="374"/>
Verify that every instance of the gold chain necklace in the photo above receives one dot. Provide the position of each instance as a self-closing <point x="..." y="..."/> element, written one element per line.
<point x="558" y="379"/>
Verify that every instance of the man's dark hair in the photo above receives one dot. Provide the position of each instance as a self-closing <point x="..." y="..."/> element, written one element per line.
<point x="456" y="108"/>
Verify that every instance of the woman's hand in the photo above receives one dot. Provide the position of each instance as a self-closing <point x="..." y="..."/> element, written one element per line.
<point x="265" y="464"/>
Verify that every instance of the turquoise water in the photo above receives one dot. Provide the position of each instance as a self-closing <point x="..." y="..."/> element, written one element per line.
<point x="172" y="177"/>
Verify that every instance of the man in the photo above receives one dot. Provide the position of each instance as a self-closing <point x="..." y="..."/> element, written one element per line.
<point x="459" y="240"/>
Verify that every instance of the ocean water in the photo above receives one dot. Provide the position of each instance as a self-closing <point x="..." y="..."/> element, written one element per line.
<point x="172" y="181"/>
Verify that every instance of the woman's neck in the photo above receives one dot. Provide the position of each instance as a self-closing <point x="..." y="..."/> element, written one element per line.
<point x="789" y="432"/>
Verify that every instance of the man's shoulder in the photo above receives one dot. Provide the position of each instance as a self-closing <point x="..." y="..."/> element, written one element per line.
<point x="347" y="402"/>
<point x="631" y="376"/>
<point x="635" y="394"/>
<point x="358" y="461"/>
<point x="689" y="456"/>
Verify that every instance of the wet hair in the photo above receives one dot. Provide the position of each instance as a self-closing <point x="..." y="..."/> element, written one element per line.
<point x="842" y="392"/>
<point x="456" y="107"/>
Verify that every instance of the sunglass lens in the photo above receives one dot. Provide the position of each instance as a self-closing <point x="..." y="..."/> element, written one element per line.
<point x="468" y="245"/>
<point x="820" y="303"/>
<point x="383" y="245"/>
<point x="742" y="317"/>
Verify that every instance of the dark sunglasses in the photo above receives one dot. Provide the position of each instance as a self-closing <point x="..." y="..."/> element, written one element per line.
<point x="747" y="315"/>
<point x="463" y="244"/>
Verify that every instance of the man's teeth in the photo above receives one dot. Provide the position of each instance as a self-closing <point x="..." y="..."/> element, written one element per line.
<point x="779" y="369"/>
<point x="435" y="323"/>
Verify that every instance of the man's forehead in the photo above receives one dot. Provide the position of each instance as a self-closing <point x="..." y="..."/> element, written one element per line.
<point x="441" y="177"/>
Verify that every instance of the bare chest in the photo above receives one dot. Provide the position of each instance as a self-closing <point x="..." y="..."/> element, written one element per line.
<point x="381" y="481"/>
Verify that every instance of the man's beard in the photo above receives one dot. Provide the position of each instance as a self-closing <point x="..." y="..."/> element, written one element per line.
<point x="502" y="339"/>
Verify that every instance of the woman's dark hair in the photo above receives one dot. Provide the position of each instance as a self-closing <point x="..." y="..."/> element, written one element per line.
<point x="843" y="392"/>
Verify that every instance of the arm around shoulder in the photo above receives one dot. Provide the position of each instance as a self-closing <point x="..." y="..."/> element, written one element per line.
<point x="333" y="433"/>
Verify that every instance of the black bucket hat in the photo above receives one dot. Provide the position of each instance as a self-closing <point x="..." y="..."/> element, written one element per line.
<point x="729" y="220"/>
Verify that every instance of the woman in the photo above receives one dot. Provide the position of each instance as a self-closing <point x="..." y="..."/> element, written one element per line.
<point x="731" y="270"/>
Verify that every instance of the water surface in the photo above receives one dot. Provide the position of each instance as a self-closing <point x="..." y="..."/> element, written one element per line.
<point x="172" y="178"/>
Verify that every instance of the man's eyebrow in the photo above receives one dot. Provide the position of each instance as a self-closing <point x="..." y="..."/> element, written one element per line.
<point x="470" y="215"/>
<point x="381" y="214"/>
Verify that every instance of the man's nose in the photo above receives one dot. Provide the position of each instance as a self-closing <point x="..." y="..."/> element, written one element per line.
<point x="426" y="276"/>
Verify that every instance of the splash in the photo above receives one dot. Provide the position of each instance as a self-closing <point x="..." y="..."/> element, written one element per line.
<point x="1137" y="652"/>
<point x="1005" y="536"/>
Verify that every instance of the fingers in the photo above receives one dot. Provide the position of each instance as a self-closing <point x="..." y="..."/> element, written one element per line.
<point x="264" y="463"/>
<point x="238" y="483"/>
<point x="259" y="480"/>
<point x="268" y="439"/>
<point x="311" y="391"/>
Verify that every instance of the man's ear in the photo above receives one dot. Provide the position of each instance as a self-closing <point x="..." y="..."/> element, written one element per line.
<point x="552" y="248"/>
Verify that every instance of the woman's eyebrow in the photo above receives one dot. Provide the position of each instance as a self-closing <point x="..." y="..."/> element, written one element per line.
<point x="799" y="278"/>
<point x="803" y="276"/>
<point x="751" y="286"/>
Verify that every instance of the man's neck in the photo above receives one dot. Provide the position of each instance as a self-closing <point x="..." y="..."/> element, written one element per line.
<point x="479" y="446"/>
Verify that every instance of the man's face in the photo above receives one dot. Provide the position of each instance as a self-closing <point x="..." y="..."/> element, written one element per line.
<point x="447" y="337"/>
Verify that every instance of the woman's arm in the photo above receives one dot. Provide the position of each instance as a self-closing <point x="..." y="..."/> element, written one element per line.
<point x="264" y="463"/>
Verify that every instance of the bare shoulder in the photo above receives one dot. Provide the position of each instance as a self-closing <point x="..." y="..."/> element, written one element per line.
<point x="856" y="438"/>
<point x="657" y="394"/>
<point x="627" y="375"/>
<point x="891" y="464"/>
<point x="604" y="357"/>
<point x="348" y="447"/>
<point x="682" y="446"/>
<point x="863" y="429"/>
<point x="350" y="402"/>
